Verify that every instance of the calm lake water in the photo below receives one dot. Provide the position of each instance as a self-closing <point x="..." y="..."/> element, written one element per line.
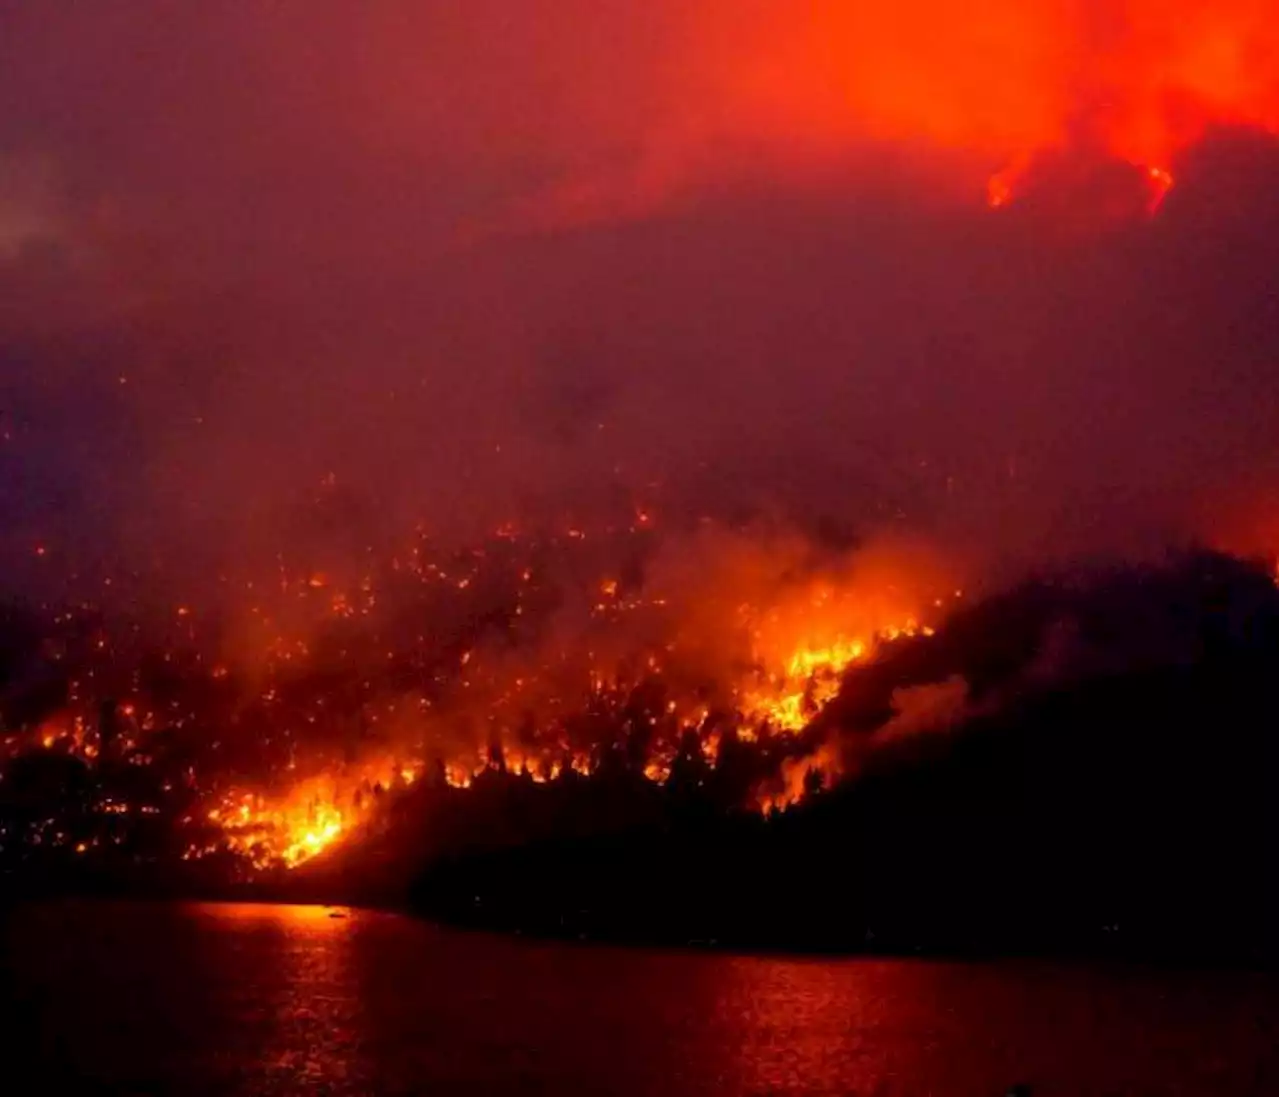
<point x="154" y="999"/>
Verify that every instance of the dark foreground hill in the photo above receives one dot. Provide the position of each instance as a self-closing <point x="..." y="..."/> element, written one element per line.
<point x="1106" y="786"/>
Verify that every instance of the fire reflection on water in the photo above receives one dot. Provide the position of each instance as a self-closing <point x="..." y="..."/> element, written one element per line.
<point x="237" y="999"/>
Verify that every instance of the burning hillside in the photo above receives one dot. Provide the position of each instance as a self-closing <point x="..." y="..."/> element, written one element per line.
<point x="1078" y="762"/>
<point x="620" y="729"/>
<point x="286" y="719"/>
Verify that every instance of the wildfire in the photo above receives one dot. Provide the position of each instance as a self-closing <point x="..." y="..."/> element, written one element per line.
<point x="287" y="830"/>
<point x="812" y="677"/>
<point x="298" y="736"/>
<point x="1010" y="80"/>
<point x="316" y="815"/>
<point x="283" y="835"/>
<point x="819" y="767"/>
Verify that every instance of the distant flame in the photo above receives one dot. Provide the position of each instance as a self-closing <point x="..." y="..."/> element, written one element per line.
<point x="1008" y="79"/>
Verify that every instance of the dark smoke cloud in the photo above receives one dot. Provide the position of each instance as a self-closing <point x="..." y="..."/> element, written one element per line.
<point x="448" y="255"/>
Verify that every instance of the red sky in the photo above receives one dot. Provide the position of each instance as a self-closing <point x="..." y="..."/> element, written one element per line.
<point x="469" y="256"/>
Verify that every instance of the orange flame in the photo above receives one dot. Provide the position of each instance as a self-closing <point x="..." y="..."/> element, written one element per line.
<point x="1138" y="81"/>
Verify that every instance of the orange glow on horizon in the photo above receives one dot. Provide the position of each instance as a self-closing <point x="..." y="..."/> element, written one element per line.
<point x="1005" y="80"/>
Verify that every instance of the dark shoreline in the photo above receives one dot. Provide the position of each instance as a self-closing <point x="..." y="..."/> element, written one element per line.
<point x="271" y="894"/>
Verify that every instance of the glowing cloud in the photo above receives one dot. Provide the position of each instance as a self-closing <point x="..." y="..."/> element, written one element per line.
<point x="1006" y="79"/>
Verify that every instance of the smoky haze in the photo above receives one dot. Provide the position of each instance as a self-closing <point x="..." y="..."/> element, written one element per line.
<point x="474" y="262"/>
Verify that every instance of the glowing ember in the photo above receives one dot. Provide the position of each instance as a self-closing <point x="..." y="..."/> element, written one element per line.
<point x="301" y="729"/>
<point x="801" y="653"/>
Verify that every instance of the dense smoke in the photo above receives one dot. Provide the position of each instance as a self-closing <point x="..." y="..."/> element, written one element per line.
<point x="627" y="412"/>
<point x="540" y="386"/>
<point x="474" y="265"/>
